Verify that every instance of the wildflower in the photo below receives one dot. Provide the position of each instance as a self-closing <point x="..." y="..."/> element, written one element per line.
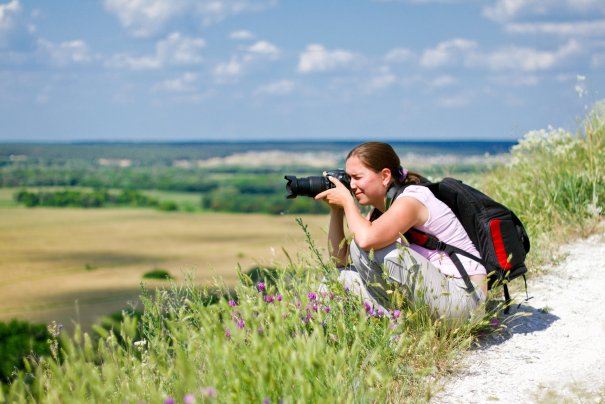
<point x="241" y="323"/>
<point x="327" y="309"/>
<point x="367" y="306"/>
<point x="380" y="313"/>
<point x="279" y="298"/>
<point x="494" y="322"/>
<point x="232" y="303"/>
<point x="209" y="392"/>
<point x="227" y="333"/>
<point x="269" y="298"/>
<point x="261" y="286"/>
<point x="169" y="400"/>
<point x="396" y="314"/>
<point x="332" y="295"/>
<point x="267" y="401"/>
<point x="311" y="296"/>
<point x="260" y="330"/>
<point x="189" y="399"/>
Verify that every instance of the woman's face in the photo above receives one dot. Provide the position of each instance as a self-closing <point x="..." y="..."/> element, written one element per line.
<point x="368" y="186"/>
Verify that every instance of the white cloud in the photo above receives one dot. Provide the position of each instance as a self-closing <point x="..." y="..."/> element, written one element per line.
<point x="399" y="55"/>
<point x="9" y="16"/>
<point x="67" y="53"/>
<point x="264" y="48"/>
<point x="447" y="52"/>
<point x="176" y="50"/>
<point x="241" y="35"/>
<point x="245" y="58"/>
<point x="381" y="80"/>
<point x="144" y="18"/>
<point x="228" y="71"/>
<point x="524" y="59"/>
<point x="508" y="10"/>
<point x="316" y="58"/>
<point x="578" y="28"/>
<point x="181" y="84"/>
<point x="212" y="11"/>
<point x="276" y="88"/>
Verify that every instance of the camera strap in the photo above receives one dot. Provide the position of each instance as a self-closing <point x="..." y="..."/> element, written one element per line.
<point x="392" y="193"/>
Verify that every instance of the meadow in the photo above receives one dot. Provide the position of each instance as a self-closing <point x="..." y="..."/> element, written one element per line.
<point x="282" y="338"/>
<point x="76" y="265"/>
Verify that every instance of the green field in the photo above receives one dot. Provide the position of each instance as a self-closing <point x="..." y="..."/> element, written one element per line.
<point x="79" y="264"/>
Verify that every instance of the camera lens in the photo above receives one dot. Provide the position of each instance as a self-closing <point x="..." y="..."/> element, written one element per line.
<point x="306" y="186"/>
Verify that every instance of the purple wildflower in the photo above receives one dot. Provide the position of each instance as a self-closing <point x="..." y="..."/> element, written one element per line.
<point x="189" y="399"/>
<point x="227" y="333"/>
<point x="269" y="298"/>
<point x="241" y="323"/>
<point x="494" y="322"/>
<point x="314" y="307"/>
<point x="279" y="298"/>
<point x="169" y="400"/>
<point x="367" y="306"/>
<point x="267" y="401"/>
<point x="327" y="309"/>
<point x="261" y="286"/>
<point x="260" y="329"/>
<point x="232" y="303"/>
<point x="396" y="313"/>
<point x="311" y="296"/>
<point x="209" y="392"/>
<point x="332" y="295"/>
<point x="380" y="313"/>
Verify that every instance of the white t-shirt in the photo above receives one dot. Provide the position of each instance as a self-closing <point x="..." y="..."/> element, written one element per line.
<point x="443" y="224"/>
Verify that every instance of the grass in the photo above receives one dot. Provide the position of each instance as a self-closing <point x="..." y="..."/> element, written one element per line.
<point x="284" y="340"/>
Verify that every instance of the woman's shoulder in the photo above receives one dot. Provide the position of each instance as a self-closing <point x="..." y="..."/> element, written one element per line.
<point x="423" y="194"/>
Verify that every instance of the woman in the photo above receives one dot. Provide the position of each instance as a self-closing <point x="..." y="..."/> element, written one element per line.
<point x="379" y="256"/>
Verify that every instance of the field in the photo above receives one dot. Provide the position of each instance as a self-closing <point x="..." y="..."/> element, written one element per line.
<point x="79" y="264"/>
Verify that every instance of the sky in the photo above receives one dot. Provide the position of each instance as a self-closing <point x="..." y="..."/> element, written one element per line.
<point x="196" y="70"/>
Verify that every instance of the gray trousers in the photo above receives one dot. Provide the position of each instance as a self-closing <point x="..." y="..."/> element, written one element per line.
<point x="400" y="269"/>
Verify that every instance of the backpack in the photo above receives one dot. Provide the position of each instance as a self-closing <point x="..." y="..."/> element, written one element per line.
<point x="496" y="232"/>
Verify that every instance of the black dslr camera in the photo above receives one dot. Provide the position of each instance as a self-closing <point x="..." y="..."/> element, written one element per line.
<point x="311" y="186"/>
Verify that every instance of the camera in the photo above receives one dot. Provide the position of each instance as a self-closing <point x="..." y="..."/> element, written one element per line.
<point x="311" y="186"/>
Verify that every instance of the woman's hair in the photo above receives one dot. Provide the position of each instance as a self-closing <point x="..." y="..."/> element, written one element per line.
<point x="377" y="156"/>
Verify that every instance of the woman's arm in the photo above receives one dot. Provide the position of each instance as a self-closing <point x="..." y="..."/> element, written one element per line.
<point x="337" y="247"/>
<point x="405" y="212"/>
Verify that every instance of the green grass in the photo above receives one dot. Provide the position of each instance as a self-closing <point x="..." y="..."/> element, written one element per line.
<point x="285" y="341"/>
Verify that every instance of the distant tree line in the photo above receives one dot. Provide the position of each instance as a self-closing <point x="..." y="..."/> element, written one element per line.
<point x="224" y="189"/>
<point x="92" y="199"/>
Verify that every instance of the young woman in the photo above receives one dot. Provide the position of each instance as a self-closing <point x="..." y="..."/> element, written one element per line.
<point x="378" y="254"/>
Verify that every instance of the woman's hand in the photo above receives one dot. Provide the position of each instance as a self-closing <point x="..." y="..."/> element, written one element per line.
<point x="336" y="197"/>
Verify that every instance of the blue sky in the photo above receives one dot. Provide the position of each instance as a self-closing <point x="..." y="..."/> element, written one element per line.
<point x="307" y="69"/>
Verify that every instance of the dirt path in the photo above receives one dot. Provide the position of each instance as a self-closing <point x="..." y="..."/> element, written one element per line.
<point x="555" y="354"/>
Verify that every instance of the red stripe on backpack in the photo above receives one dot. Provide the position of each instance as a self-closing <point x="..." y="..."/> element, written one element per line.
<point x="499" y="244"/>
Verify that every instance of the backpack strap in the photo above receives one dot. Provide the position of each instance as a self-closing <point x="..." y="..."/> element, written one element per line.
<point x="431" y="242"/>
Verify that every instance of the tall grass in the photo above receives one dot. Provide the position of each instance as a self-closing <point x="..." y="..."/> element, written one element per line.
<point x="260" y="343"/>
<point x="284" y="341"/>
<point x="555" y="182"/>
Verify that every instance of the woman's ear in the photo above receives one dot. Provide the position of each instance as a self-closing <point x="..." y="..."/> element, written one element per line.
<point x="386" y="177"/>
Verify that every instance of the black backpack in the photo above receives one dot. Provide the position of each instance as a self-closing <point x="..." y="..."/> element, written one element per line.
<point x="495" y="230"/>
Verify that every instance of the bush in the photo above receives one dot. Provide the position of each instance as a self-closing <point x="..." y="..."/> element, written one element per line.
<point x="158" y="274"/>
<point x="19" y="339"/>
